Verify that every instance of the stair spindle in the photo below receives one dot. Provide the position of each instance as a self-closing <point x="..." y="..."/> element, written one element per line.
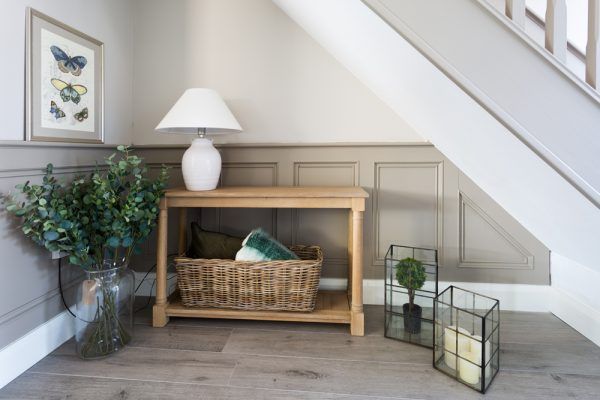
<point x="592" y="70"/>
<point x="556" y="28"/>
<point x="515" y="10"/>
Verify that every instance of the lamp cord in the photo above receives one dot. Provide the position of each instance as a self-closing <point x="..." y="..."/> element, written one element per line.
<point x="60" y="288"/>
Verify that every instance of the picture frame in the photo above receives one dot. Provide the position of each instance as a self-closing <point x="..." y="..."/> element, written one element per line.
<point x="64" y="96"/>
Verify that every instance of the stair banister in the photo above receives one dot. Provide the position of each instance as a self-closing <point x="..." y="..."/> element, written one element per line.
<point x="556" y="28"/>
<point x="592" y="64"/>
<point x="515" y="10"/>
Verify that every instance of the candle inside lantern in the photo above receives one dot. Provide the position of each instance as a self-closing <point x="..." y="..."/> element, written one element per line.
<point x="450" y="342"/>
<point x="476" y="348"/>
<point x="468" y="367"/>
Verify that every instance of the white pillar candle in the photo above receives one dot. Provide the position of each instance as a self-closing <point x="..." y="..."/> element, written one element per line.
<point x="468" y="367"/>
<point x="450" y="341"/>
<point x="476" y="347"/>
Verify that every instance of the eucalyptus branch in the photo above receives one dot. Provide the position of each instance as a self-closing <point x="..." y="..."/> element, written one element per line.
<point x="91" y="218"/>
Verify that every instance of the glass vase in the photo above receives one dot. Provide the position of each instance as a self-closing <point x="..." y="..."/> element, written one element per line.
<point x="104" y="322"/>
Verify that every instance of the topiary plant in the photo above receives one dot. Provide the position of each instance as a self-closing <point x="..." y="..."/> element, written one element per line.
<point x="410" y="273"/>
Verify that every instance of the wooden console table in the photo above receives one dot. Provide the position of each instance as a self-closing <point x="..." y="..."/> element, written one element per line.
<point x="343" y="307"/>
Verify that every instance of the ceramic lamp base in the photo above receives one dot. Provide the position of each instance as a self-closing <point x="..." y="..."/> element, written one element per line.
<point x="201" y="165"/>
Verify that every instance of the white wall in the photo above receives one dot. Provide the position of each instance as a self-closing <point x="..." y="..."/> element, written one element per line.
<point x="108" y="21"/>
<point x="281" y="85"/>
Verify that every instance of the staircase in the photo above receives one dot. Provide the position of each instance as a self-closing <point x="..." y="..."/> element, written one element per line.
<point x="506" y="111"/>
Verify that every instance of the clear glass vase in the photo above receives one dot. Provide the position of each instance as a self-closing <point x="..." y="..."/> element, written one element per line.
<point x="105" y="310"/>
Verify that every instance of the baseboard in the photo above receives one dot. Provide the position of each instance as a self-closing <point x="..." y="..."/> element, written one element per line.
<point x="513" y="297"/>
<point x="579" y="315"/>
<point x="24" y="352"/>
<point x="576" y="299"/>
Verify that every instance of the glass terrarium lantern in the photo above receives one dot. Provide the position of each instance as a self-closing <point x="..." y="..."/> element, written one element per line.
<point x="467" y="337"/>
<point x="411" y="284"/>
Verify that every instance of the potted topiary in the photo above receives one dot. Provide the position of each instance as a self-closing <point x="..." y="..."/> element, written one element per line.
<point x="97" y="222"/>
<point x="410" y="273"/>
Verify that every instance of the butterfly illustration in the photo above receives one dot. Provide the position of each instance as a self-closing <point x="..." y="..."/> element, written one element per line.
<point x="81" y="115"/>
<point x="58" y="113"/>
<point x="69" y="91"/>
<point x="68" y="64"/>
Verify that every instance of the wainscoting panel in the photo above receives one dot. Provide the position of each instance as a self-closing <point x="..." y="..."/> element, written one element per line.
<point x="407" y="206"/>
<point x="327" y="228"/>
<point x="492" y="245"/>
<point x="417" y="197"/>
<point x="238" y="221"/>
<point x="483" y="243"/>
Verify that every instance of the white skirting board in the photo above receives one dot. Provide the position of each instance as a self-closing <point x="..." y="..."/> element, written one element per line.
<point x="576" y="297"/>
<point x="512" y="297"/>
<point x="24" y="352"/>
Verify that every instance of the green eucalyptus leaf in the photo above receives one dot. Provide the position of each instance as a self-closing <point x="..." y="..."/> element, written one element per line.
<point x="113" y="241"/>
<point x="51" y="235"/>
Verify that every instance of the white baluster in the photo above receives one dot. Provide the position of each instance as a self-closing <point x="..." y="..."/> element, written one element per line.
<point x="556" y="28"/>
<point x="515" y="10"/>
<point x="592" y="61"/>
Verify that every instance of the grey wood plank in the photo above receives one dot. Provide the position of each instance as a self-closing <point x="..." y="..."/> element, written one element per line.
<point x="142" y="363"/>
<point x="537" y="327"/>
<point x="554" y="332"/>
<point x="529" y="317"/>
<point x="33" y="386"/>
<point x="402" y="380"/>
<point x="348" y="377"/>
<point x="324" y="345"/>
<point x="542" y="386"/>
<point x="181" y="337"/>
<point x="554" y="358"/>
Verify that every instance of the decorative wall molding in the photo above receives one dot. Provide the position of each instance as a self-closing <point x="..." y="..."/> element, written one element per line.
<point x="40" y="171"/>
<point x="284" y="145"/>
<point x="377" y="257"/>
<point x="274" y="169"/>
<point x="352" y="166"/>
<point x="465" y="203"/>
<point x="25" y="307"/>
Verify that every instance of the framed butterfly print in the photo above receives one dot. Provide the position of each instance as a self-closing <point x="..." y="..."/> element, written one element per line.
<point x="64" y="83"/>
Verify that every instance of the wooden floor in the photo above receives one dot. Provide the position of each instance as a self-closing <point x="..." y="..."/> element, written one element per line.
<point x="541" y="358"/>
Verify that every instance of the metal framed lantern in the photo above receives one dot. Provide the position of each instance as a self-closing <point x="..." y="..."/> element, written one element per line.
<point x="467" y="337"/>
<point x="411" y="285"/>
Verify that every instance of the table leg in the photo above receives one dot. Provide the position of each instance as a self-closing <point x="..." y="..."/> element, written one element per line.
<point x="349" y="284"/>
<point x="357" y="318"/>
<point x="159" y="315"/>
<point x="182" y="231"/>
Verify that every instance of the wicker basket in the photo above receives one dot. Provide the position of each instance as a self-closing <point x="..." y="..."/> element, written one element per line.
<point x="289" y="285"/>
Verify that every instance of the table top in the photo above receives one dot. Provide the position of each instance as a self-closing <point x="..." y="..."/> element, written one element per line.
<point x="272" y="192"/>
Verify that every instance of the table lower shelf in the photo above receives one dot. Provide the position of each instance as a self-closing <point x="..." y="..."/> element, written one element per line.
<point x="331" y="307"/>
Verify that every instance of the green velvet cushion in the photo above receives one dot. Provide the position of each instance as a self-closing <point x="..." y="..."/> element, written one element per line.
<point x="207" y="244"/>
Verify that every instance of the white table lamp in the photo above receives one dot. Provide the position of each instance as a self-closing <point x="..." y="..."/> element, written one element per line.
<point x="200" y="112"/>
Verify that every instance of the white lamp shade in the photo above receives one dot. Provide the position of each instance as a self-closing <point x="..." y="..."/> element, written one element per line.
<point x="199" y="108"/>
